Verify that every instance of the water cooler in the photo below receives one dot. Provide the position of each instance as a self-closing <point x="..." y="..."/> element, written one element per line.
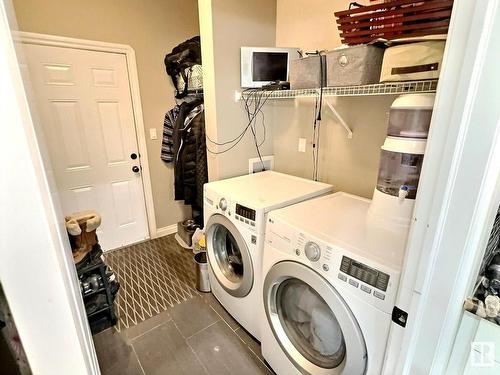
<point x="401" y="160"/>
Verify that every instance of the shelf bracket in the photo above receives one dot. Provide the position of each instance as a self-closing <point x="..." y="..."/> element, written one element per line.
<point x="337" y="115"/>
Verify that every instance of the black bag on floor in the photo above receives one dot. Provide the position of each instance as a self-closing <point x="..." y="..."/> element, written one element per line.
<point x="179" y="62"/>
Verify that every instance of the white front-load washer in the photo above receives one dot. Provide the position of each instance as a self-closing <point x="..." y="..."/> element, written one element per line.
<point x="330" y="280"/>
<point x="235" y="213"/>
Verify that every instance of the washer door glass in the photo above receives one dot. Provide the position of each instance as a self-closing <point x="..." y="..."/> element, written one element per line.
<point x="227" y="254"/>
<point x="310" y="324"/>
<point x="311" y="321"/>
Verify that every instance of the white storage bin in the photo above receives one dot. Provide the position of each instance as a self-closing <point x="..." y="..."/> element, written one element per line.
<point x="413" y="61"/>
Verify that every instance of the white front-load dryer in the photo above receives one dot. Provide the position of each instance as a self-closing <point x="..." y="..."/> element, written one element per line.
<point x="330" y="280"/>
<point x="235" y="213"/>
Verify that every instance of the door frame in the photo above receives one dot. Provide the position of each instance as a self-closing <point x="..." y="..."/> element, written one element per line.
<point x="459" y="193"/>
<point x="129" y="53"/>
<point x="33" y="237"/>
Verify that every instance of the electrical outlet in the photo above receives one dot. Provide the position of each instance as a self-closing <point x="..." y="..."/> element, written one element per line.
<point x="152" y="133"/>
<point x="302" y="144"/>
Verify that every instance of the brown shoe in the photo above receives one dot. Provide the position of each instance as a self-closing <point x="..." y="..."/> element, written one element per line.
<point x="81" y="227"/>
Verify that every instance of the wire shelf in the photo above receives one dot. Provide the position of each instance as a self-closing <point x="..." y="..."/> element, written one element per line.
<point x="389" y="88"/>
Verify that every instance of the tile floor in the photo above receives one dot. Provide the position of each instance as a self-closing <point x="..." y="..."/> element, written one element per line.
<point x="154" y="276"/>
<point x="194" y="337"/>
<point x="166" y="326"/>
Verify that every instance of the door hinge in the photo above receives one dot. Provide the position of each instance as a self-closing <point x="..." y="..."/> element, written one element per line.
<point x="399" y="316"/>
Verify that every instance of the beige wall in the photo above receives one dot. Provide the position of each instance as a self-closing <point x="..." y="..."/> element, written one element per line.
<point x="350" y="165"/>
<point x="310" y="25"/>
<point x="226" y="25"/>
<point x="152" y="28"/>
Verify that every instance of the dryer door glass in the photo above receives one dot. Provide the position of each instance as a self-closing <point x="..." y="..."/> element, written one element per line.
<point x="228" y="254"/>
<point x="310" y="324"/>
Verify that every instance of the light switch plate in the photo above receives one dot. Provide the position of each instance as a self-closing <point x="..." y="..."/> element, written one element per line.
<point x="152" y="133"/>
<point x="302" y="144"/>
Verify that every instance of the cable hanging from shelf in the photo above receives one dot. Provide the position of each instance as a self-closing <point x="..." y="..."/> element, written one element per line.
<point x="387" y="88"/>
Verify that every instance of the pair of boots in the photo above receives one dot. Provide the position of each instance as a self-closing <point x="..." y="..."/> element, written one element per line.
<point x="81" y="227"/>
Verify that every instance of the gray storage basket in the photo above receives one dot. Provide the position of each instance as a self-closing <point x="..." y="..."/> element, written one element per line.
<point x="305" y="73"/>
<point x="352" y="66"/>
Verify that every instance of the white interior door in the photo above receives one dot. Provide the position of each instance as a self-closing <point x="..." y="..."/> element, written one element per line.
<point x="85" y="107"/>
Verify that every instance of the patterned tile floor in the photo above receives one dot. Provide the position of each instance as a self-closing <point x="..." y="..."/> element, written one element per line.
<point x="154" y="276"/>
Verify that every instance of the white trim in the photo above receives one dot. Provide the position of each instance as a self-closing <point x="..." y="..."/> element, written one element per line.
<point x="456" y="198"/>
<point x="165" y="231"/>
<point x="209" y="87"/>
<point x="128" y="51"/>
<point x="50" y="319"/>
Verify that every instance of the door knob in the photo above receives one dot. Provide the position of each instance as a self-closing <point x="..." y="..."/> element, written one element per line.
<point x="133" y="156"/>
<point x="135" y="169"/>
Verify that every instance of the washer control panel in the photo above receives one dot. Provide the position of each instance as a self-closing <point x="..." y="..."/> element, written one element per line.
<point x="354" y="273"/>
<point x="347" y="269"/>
<point x="223" y="204"/>
<point x="362" y="272"/>
<point x="320" y="255"/>
<point x="313" y="251"/>
<point x="369" y="280"/>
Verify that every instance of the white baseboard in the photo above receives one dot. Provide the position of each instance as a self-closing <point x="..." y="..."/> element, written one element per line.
<point x="165" y="231"/>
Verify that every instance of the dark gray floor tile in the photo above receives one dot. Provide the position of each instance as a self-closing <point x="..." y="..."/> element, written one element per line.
<point x="163" y="351"/>
<point x="115" y="355"/>
<point x="147" y="325"/>
<point x="223" y="353"/>
<point x="219" y="309"/>
<point x="250" y="341"/>
<point x="193" y="316"/>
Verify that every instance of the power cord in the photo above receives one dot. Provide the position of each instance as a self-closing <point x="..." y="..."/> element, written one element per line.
<point x="317" y="117"/>
<point x="252" y="115"/>
<point x="254" y="102"/>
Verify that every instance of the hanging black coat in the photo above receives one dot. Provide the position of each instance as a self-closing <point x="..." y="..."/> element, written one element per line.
<point x="190" y="167"/>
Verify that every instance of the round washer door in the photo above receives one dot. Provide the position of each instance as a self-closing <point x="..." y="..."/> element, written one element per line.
<point x="312" y="323"/>
<point x="229" y="256"/>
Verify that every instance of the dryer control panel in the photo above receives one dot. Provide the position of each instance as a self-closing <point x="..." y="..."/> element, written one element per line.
<point x="245" y="212"/>
<point x="252" y="219"/>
